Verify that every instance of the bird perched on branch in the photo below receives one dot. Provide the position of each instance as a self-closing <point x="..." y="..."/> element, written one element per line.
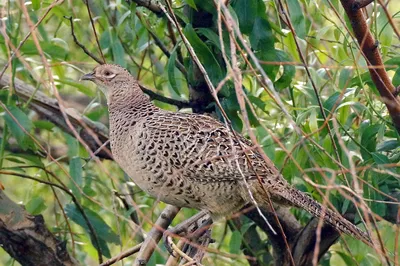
<point x="192" y="160"/>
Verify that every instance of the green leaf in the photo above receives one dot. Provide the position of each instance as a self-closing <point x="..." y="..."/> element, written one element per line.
<point x="380" y="158"/>
<point x="204" y="54"/>
<point x="344" y="78"/>
<point x="257" y="102"/>
<point x="235" y="242"/>
<point x="75" y="170"/>
<point x="331" y="102"/>
<point x="36" y="205"/>
<point x="36" y="4"/>
<point x="297" y="18"/>
<point x="171" y="72"/>
<point x="50" y="49"/>
<point x="105" y="40"/>
<point x="288" y="70"/>
<point x="118" y="53"/>
<point x="396" y="78"/>
<point x="246" y="13"/>
<point x="261" y="37"/>
<point x="79" y="85"/>
<point x="388" y="145"/>
<point x="345" y="205"/>
<point x="17" y="127"/>
<point x="348" y="260"/>
<point x="42" y="124"/>
<point x="213" y="38"/>
<point x="368" y="140"/>
<point x="191" y="3"/>
<point x="103" y="231"/>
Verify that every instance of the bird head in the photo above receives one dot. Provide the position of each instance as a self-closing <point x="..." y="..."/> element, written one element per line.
<point x="111" y="79"/>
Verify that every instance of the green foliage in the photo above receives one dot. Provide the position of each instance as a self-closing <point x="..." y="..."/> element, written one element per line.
<point x="360" y="144"/>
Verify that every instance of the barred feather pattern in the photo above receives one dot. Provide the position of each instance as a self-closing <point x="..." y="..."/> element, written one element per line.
<point x="191" y="160"/>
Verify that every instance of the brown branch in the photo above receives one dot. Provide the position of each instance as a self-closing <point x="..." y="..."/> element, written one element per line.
<point x="303" y="249"/>
<point x="26" y="237"/>
<point x="290" y="226"/>
<point x="371" y="54"/>
<point x="155" y="234"/>
<point x="358" y="4"/>
<point x="122" y="255"/>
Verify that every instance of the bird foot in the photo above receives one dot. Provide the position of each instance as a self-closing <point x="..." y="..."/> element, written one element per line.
<point x="191" y="230"/>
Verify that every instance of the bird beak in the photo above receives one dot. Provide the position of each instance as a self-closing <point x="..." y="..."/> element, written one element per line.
<point x="89" y="76"/>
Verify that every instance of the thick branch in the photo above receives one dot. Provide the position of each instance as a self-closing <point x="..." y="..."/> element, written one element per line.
<point x="27" y="239"/>
<point x="155" y="234"/>
<point x="371" y="54"/>
<point x="303" y="249"/>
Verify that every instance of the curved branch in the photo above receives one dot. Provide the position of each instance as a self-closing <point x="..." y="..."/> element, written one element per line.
<point x="370" y="51"/>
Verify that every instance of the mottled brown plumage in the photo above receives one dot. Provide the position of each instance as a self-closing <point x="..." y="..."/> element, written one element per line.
<point x="190" y="160"/>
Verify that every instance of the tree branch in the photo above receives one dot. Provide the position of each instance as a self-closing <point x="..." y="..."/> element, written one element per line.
<point x="95" y="58"/>
<point x="49" y="109"/>
<point x="153" y="7"/>
<point x="155" y="234"/>
<point x="158" y="97"/>
<point x="370" y="51"/>
<point x="26" y="237"/>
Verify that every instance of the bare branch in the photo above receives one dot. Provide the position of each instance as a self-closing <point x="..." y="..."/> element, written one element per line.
<point x="122" y="255"/>
<point x="95" y="58"/>
<point x="154" y="236"/>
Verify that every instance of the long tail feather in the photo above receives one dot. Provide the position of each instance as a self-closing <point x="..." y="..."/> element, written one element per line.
<point x="301" y="200"/>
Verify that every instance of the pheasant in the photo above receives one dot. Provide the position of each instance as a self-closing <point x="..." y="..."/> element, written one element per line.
<point x="192" y="160"/>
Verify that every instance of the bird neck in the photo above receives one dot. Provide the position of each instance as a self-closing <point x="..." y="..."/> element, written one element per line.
<point x="128" y="101"/>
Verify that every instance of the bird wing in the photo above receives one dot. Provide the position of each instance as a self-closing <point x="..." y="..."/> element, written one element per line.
<point x="202" y="148"/>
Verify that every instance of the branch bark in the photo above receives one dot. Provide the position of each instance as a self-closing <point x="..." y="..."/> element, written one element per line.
<point x="26" y="238"/>
<point x="370" y="51"/>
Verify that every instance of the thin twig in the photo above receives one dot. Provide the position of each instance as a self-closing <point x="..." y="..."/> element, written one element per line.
<point x="16" y="51"/>
<point x="95" y="58"/>
<point x="122" y="255"/>
<point x="94" y="31"/>
<point x="178" y="103"/>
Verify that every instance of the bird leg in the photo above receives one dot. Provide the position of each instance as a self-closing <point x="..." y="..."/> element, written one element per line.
<point x="194" y="224"/>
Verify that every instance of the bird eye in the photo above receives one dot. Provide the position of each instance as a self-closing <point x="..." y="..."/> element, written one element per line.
<point x="107" y="73"/>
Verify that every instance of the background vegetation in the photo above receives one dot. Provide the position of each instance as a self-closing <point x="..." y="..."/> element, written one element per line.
<point x="306" y="95"/>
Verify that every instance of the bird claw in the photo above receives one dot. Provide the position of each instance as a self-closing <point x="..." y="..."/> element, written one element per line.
<point x="167" y="239"/>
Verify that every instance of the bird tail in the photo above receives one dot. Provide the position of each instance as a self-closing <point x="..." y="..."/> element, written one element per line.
<point x="301" y="200"/>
